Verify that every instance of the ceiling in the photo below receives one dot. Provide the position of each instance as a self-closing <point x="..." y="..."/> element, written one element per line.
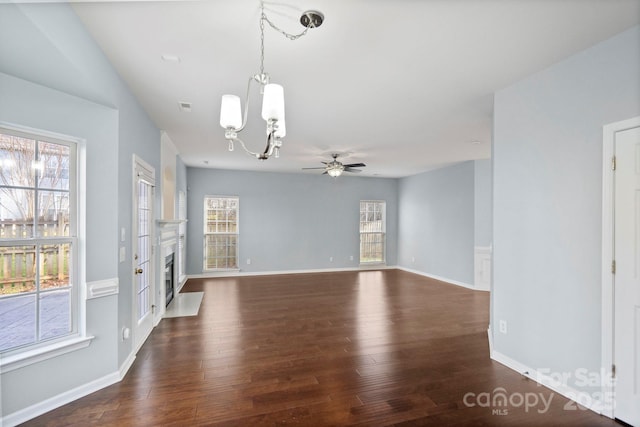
<point x="404" y="86"/>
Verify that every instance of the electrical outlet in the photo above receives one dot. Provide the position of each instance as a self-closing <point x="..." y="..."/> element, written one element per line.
<point x="330" y="259"/>
<point x="248" y="261"/>
<point x="351" y="258"/>
<point x="413" y="259"/>
<point x="503" y="326"/>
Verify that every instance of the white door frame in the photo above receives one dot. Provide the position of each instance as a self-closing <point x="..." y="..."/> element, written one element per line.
<point x="609" y="133"/>
<point x="149" y="173"/>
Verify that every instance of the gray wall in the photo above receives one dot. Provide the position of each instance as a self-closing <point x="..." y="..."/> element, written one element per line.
<point x="139" y="136"/>
<point x="482" y="199"/>
<point x="55" y="78"/>
<point x="436" y="222"/>
<point x="38" y="107"/>
<point x="547" y="203"/>
<point x="290" y="221"/>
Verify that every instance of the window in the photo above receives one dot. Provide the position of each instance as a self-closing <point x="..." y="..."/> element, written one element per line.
<point x="372" y="232"/>
<point x="220" y="233"/>
<point x="38" y="240"/>
<point x="182" y="232"/>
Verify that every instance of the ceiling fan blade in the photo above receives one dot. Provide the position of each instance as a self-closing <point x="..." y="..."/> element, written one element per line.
<point x="322" y="167"/>
<point x="325" y="172"/>
<point x="348" y="169"/>
<point x="355" y="165"/>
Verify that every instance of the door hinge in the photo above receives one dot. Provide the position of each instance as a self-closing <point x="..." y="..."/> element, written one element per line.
<point x="613" y="163"/>
<point x="613" y="371"/>
<point x="613" y="267"/>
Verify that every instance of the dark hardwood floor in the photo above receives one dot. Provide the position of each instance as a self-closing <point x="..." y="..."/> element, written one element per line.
<point x="367" y="348"/>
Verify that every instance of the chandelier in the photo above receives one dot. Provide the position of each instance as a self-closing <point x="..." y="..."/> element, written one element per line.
<point x="233" y="120"/>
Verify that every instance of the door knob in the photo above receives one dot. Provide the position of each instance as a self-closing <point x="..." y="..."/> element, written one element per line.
<point x="138" y="271"/>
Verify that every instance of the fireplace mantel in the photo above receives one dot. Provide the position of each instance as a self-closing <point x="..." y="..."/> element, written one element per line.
<point x="170" y="222"/>
<point x="168" y="230"/>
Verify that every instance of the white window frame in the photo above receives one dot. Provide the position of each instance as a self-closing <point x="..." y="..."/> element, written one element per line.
<point x="206" y="233"/>
<point x="383" y="232"/>
<point x="182" y="234"/>
<point x="26" y="355"/>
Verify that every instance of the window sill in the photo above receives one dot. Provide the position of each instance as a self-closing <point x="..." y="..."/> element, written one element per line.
<point x="29" y="357"/>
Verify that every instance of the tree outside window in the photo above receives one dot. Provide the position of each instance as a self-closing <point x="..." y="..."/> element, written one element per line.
<point x="37" y="239"/>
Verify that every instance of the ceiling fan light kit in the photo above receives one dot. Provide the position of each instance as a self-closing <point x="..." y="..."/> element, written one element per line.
<point x="335" y="171"/>
<point x="335" y="168"/>
<point x="233" y="121"/>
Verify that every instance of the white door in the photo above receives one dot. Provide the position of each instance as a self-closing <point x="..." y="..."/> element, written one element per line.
<point x="627" y="276"/>
<point x="143" y="266"/>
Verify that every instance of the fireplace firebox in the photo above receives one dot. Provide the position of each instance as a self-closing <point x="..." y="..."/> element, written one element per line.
<point x="168" y="278"/>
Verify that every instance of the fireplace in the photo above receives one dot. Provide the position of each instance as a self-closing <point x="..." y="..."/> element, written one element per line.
<point x="168" y="278"/>
<point x="168" y="232"/>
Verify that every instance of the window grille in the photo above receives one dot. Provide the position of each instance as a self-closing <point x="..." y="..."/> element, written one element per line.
<point x="372" y="231"/>
<point x="220" y="233"/>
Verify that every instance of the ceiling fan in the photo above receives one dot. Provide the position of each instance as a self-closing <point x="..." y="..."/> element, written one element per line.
<point x="335" y="168"/>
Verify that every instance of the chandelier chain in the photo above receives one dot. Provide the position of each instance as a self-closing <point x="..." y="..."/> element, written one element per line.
<point x="283" y="32"/>
<point x="275" y="122"/>
<point x="262" y="18"/>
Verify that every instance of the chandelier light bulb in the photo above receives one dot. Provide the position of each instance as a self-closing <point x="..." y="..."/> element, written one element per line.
<point x="230" y="112"/>
<point x="273" y="102"/>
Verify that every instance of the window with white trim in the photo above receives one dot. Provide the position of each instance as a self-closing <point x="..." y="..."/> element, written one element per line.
<point x="182" y="232"/>
<point x="220" y="233"/>
<point x="38" y="240"/>
<point x="372" y="231"/>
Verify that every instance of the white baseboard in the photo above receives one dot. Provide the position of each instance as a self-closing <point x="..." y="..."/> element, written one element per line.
<point x="579" y="398"/>
<point x="439" y="278"/>
<point x="124" y="368"/>
<point x="52" y="403"/>
<point x="157" y="318"/>
<point x="512" y="364"/>
<point x="62" y="399"/>
<point x="181" y="281"/>
<point x="237" y="273"/>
